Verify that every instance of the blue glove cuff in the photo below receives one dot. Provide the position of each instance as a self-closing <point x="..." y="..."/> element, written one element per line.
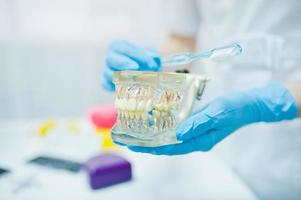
<point x="274" y="103"/>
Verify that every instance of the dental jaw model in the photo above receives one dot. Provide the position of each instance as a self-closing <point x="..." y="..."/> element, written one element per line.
<point x="137" y="111"/>
<point x="151" y="104"/>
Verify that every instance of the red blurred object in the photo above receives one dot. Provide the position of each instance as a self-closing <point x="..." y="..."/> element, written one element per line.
<point x="103" y="116"/>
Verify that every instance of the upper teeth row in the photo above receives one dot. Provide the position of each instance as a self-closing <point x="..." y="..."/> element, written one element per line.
<point x="134" y="92"/>
<point x="139" y="104"/>
<point x="133" y="104"/>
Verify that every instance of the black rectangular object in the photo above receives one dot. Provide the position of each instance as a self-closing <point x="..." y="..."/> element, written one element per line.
<point x="57" y="163"/>
<point x="3" y="171"/>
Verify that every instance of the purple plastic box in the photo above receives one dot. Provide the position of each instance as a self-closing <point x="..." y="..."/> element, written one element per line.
<point x="107" y="169"/>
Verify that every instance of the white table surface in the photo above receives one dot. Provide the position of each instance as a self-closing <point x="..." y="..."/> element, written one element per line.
<point x="193" y="176"/>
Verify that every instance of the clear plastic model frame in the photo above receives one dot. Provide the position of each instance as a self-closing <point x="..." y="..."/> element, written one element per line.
<point x="151" y="104"/>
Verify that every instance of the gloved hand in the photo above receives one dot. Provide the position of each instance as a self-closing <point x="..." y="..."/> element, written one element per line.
<point x="122" y="55"/>
<point x="226" y="114"/>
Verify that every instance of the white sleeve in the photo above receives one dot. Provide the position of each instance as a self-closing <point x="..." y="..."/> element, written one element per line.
<point x="180" y="17"/>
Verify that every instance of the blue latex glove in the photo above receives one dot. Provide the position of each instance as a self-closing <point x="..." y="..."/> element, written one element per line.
<point x="226" y="114"/>
<point x="122" y="55"/>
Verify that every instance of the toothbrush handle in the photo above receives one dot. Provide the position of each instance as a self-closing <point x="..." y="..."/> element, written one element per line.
<point x="186" y="58"/>
<point x="229" y="50"/>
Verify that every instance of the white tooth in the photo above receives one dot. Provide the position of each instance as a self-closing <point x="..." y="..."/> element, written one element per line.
<point x="160" y="106"/>
<point x="145" y="125"/>
<point x="141" y="105"/>
<point x="117" y="104"/>
<point x="141" y="115"/>
<point x="170" y="122"/>
<point x="144" y="115"/>
<point x="148" y="106"/>
<point x="142" y="93"/>
<point x="131" y="105"/>
<point x="167" y="124"/>
<point x="156" y="113"/>
<point x="126" y="104"/>
<point x="173" y="105"/>
<point x="122" y="104"/>
<point x="132" y="115"/>
<point x="158" y="125"/>
<point x="168" y="119"/>
<point x="165" y="106"/>
<point x="137" y="115"/>
<point x="173" y="121"/>
<point x="174" y="97"/>
<point x="126" y="114"/>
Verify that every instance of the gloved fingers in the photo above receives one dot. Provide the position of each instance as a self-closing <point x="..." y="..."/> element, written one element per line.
<point x="147" y="60"/>
<point x="207" y="141"/>
<point x="116" y="62"/>
<point x="107" y="81"/>
<point x="108" y="75"/>
<point x="175" y="149"/>
<point x="202" y="143"/>
<point x="156" y="56"/>
<point x="108" y="85"/>
<point x="196" y="125"/>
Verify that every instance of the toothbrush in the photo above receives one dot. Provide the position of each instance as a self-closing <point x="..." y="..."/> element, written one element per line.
<point x="216" y="54"/>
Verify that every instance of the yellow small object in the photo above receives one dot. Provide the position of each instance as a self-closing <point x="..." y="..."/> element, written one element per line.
<point x="45" y="127"/>
<point x="103" y="131"/>
<point x="108" y="143"/>
<point x="73" y="127"/>
<point x="105" y="135"/>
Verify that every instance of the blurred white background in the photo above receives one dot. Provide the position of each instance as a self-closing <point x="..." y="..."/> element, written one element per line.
<point x="52" y="51"/>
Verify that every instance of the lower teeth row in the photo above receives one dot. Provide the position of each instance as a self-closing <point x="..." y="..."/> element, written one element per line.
<point x="155" y="124"/>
